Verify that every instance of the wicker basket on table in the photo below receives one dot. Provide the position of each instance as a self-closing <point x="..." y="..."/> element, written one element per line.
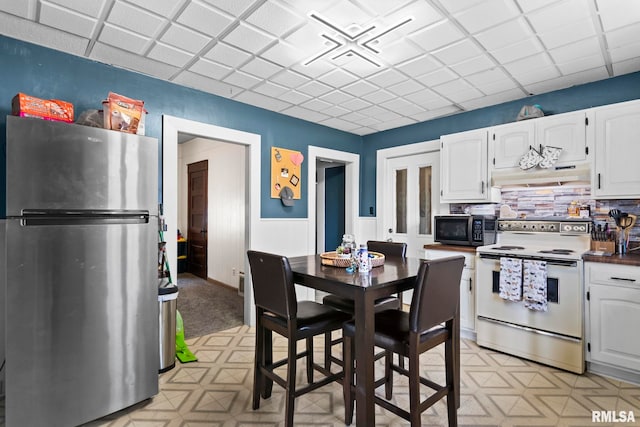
<point x="335" y="260"/>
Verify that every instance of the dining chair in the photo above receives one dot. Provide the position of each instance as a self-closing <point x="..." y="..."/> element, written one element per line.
<point x="277" y="310"/>
<point x="388" y="249"/>
<point x="429" y="323"/>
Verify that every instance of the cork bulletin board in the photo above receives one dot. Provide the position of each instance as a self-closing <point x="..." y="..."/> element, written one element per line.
<point x="286" y="168"/>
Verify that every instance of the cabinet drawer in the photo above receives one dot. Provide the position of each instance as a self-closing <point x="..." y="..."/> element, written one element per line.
<point x="612" y="274"/>
<point x="469" y="258"/>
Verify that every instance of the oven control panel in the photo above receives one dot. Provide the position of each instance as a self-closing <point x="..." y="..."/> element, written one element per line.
<point x="545" y="226"/>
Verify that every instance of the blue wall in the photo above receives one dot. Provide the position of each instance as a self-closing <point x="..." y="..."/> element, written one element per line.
<point x="47" y="73"/>
<point x="617" y="89"/>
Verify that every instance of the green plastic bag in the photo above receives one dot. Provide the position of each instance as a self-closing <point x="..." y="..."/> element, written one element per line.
<point x="182" y="351"/>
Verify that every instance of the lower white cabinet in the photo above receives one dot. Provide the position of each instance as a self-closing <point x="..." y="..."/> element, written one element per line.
<point x="467" y="286"/>
<point x="613" y="298"/>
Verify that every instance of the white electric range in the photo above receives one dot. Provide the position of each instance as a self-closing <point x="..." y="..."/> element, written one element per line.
<point x="553" y="336"/>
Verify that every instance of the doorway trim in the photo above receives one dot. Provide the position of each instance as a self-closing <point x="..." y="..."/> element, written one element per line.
<point x="171" y="126"/>
<point x="382" y="157"/>
<point x="351" y="191"/>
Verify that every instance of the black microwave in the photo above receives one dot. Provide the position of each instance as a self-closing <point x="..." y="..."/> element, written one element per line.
<point x="465" y="230"/>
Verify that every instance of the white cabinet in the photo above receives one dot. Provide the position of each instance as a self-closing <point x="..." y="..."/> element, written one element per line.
<point x="613" y="293"/>
<point x="508" y="143"/>
<point x="464" y="168"/>
<point x="617" y="147"/>
<point x="467" y="286"/>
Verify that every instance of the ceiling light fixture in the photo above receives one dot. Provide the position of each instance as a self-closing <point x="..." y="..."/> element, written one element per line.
<point x="352" y="42"/>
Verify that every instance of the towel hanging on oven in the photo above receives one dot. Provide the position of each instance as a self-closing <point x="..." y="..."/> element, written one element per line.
<point x="534" y="284"/>
<point x="510" y="279"/>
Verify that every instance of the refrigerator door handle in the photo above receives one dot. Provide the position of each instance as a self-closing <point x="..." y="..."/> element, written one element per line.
<point x="33" y="217"/>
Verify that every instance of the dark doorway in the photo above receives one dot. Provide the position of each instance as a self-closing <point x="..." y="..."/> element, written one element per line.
<point x="197" y="219"/>
<point x="334" y="207"/>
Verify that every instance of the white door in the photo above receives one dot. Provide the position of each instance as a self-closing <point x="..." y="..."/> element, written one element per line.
<point x="412" y="186"/>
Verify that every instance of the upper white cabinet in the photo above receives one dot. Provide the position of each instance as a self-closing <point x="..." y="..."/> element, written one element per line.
<point x="464" y="168"/>
<point x="508" y="143"/>
<point x="617" y="146"/>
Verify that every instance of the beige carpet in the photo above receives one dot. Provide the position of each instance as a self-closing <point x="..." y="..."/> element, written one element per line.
<point x="207" y="307"/>
<point x="496" y="390"/>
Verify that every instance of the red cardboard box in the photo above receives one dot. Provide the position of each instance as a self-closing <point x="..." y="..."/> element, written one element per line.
<point x="49" y="109"/>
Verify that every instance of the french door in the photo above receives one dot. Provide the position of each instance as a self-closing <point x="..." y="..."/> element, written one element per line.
<point x="412" y="186"/>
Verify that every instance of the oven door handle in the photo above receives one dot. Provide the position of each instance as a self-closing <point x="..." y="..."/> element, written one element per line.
<point x="560" y="262"/>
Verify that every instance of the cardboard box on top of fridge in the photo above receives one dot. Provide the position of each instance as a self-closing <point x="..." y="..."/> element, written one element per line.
<point x="122" y="113"/>
<point x="49" y="109"/>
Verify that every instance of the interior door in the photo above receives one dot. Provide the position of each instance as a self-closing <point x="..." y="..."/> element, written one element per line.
<point x="413" y="185"/>
<point x="197" y="219"/>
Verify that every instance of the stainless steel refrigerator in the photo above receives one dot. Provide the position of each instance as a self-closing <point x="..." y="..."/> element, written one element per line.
<point x="82" y="263"/>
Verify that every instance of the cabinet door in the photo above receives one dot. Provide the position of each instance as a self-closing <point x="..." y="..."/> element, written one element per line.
<point x="467" y="286"/>
<point x="463" y="166"/>
<point x="614" y="312"/>
<point x="616" y="173"/>
<point x="508" y="143"/>
<point x="566" y="131"/>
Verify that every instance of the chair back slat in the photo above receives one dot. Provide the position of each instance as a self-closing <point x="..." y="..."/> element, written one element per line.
<point x="273" y="287"/>
<point x="388" y="249"/>
<point x="437" y="293"/>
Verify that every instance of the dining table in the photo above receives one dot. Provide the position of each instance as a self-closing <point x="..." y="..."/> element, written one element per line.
<point x="394" y="276"/>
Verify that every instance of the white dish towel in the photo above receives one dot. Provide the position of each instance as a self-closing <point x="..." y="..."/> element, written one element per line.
<point x="534" y="284"/>
<point x="510" y="279"/>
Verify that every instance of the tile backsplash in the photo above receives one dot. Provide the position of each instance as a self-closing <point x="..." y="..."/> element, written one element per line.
<point x="555" y="201"/>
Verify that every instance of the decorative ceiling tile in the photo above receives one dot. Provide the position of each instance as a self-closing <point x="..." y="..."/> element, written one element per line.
<point x="618" y="13"/>
<point x="316" y="104"/>
<point x="336" y="111"/>
<point x="184" y="38"/>
<point x="42" y="35"/>
<point x="314" y="88"/>
<point x="294" y="97"/>
<point x="204" y="18"/>
<point x="458" y="91"/>
<point x="270" y="89"/>
<point x="505" y="34"/>
<point x="586" y="47"/>
<point x="233" y="7"/>
<point x="123" y="39"/>
<point x="337" y="78"/>
<point x="360" y="88"/>
<point x="487" y="14"/>
<point x="130" y="61"/>
<point x="473" y="65"/>
<point x="135" y="19"/>
<point x="405" y="87"/>
<point x="304" y="114"/>
<point x="261" y="68"/>
<point x="248" y="38"/>
<point x="356" y="104"/>
<point x="227" y="55"/>
<point x="290" y="79"/>
<point x="568" y="33"/>
<point x="336" y="97"/>
<point x="518" y="50"/>
<point x="262" y="101"/>
<point x="67" y="20"/>
<point x="90" y="8"/>
<point x="379" y="96"/>
<point x="168" y="54"/>
<point x="400" y="106"/>
<point x="420" y="65"/>
<point x="284" y="54"/>
<point x="434" y="78"/>
<point x="204" y="84"/>
<point x="558" y="14"/>
<point x="572" y="66"/>
<point x="457" y="52"/>
<point x="242" y="80"/>
<point x="436" y="36"/>
<point x="275" y="19"/>
<point x="210" y="69"/>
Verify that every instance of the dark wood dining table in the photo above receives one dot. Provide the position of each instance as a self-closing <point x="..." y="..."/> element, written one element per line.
<point x="395" y="275"/>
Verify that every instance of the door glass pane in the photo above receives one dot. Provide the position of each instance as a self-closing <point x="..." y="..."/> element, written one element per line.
<point x="401" y="201"/>
<point x="425" y="200"/>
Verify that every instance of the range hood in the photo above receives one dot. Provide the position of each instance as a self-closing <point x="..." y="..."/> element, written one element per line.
<point x="537" y="177"/>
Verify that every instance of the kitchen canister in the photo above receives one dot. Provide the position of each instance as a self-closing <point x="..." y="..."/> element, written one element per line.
<point x="364" y="263"/>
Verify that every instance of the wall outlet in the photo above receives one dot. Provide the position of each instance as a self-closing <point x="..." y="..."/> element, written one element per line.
<point x="233" y="271"/>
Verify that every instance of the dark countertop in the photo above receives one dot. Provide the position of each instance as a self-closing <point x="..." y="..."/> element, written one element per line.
<point x="441" y="247"/>
<point x="632" y="258"/>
